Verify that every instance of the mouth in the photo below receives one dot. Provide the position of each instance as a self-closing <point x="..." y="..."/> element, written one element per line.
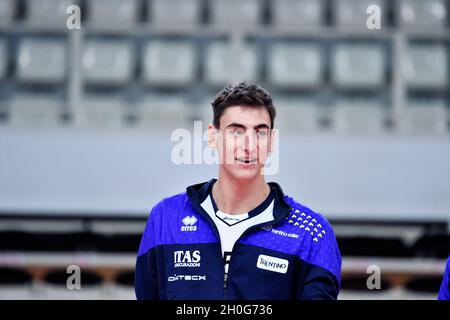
<point x="245" y="161"/>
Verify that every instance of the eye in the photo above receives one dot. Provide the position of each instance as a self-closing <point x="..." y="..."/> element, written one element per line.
<point x="238" y="132"/>
<point x="262" y="132"/>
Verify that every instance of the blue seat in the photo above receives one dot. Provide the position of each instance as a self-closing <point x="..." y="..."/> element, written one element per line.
<point x="295" y="65"/>
<point x="108" y="62"/>
<point x="169" y="63"/>
<point x="48" y="12"/>
<point x="235" y="12"/>
<point x="174" y="12"/>
<point x="353" y="13"/>
<point x="420" y="14"/>
<point x="41" y="60"/>
<point x="113" y="12"/>
<point x="7" y="11"/>
<point x="305" y="13"/>
<point x="224" y="65"/>
<point x="426" y="66"/>
<point x="358" y="65"/>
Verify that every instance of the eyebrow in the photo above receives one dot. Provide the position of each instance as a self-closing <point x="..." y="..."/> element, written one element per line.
<point x="239" y="125"/>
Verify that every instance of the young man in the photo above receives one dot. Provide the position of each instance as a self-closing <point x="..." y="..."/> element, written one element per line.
<point x="238" y="237"/>
<point x="444" y="291"/>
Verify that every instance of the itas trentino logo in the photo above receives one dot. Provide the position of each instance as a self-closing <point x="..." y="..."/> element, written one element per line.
<point x="189" y="223"/>
<point x="272" y="264"/>
<point x="186" y="258"/>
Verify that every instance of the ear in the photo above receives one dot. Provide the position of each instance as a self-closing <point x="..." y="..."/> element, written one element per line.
<point x="212" y="136"/>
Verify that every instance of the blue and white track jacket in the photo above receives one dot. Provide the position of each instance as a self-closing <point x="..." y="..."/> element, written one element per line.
<point x="293" y="256"/>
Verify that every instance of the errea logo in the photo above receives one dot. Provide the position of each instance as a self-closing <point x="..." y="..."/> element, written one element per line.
<point x="272" y="264"/>
<point x="189" y="223"/>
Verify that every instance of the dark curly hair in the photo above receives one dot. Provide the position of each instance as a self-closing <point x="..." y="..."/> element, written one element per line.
<point x="245" y="95"/>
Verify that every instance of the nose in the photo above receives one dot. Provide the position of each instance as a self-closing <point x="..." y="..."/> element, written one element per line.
<point x="250" y="143"/>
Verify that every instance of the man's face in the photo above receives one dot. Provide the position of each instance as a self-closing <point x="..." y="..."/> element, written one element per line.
<point x="243" y="141"/>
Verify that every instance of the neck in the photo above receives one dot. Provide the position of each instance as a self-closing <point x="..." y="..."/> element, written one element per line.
<point x="236" y="196"/>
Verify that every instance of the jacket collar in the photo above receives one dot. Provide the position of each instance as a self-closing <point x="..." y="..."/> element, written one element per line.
<point x="199" y="192"/>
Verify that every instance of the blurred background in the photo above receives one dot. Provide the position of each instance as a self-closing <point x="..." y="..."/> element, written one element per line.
<point x="86" y="118"/>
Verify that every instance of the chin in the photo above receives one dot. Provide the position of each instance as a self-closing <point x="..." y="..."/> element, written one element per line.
<point x="246" y="174"/>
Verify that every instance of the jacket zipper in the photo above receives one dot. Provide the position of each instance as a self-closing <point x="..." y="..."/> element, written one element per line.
<point x="216" y="231"/>
<point x="225" y="278"/>
<point x="225" y="285"/>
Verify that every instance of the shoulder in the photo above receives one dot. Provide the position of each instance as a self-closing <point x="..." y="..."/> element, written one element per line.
<point x="168" y="206"/>
<point x="173" y="201"/>
<point x="160" y="220"/>
<point x="308" y="220"/>
<point x="319" y="246"/>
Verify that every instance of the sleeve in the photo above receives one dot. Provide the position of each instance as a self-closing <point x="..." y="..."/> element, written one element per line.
<point x="320" y="273"/>
<point x="444" y="292"/>
<point x="319" y="284"/>
<point x="146" y="280"/>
